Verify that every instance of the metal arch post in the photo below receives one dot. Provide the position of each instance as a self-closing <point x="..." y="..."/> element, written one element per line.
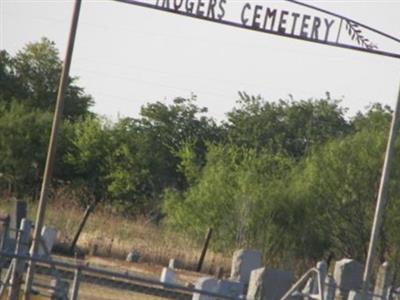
<point x="382" y="198"/>
<point x="51" y="153"/>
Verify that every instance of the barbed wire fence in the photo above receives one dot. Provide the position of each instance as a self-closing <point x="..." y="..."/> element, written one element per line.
<point x="61" y="279"/>
<point x="57" y="279"/>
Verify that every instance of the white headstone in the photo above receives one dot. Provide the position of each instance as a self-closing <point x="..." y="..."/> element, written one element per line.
<point x="323" y="270"/>
<point x="133" y="256"/>
<point x="49" y="237"/>
<point x="268" y="284"/>
<point x="173" y="263"/>
<point x="209" y="284"/>
<point x="329" y="288"/>
<point x="382" y="282"/>
<point x="353" y="295"/>
<point x="348" y="276"/>
<point x="230" y="288"/>
<point x="18" y="212"/>
<point x="243" y="262"/>
<point x="168" y="276"/>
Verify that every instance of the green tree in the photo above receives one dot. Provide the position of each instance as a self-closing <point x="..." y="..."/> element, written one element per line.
<point x="291" y="127"/>
<point x="32" y="77"/>
<point x="376" y="118"/>
<point x="231" y="195"/>
<point x="86" y="156"/>
<point x="342" y="181"/>
<point x="10" y="86"/>
<point x="23" y="142"/>
<point x="310" y="207"/>
<point x="28" y="88"/>
<point x="147" y="151"/>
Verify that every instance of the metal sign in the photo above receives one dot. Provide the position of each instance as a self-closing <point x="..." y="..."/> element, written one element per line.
<point x="291" y="19"/>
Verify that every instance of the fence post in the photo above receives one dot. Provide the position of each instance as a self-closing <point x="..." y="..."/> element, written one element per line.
<point x="204" y="251"/>
<point x="85" y="217"/>
<point x="19" y="264"/>
<point x="75" y="284"/>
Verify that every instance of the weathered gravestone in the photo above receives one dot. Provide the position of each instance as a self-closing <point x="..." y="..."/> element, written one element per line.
<point x="18" y="212"/>
<point x="268" y="284"/>
<point x="230" y="288"/>
<point x="225" y="287"/>
<point x="133" y="256"/>
<point x="4" y="231"/>
<point x="382" y="282"/>
<point x="354" y="295"/>
<point x="168" y="276"/>
<point x="174" y="264"/>
<point x="329" y="288"/>
<point x="348" y="276"/>
<point x="209" y="284"/>
<point x="49" y="237"/>
<point x="4" y="238"/>
<point x="243" y="262"/>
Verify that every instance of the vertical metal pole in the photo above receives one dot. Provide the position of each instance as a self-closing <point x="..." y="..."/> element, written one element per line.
<point x="382" y="197"/>
<point x="52" y="147"/>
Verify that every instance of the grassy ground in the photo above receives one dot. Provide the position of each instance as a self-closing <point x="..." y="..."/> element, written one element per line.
<point x="90" y="292"/>
<point x="114" y="236"/>
<point x="110" y="235"/>
<point x="95" y="292"/>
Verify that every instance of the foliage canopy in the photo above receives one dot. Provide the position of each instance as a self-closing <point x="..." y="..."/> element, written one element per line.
<point x="298" y="175"/>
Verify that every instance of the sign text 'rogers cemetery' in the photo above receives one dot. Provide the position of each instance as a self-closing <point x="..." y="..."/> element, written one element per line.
<point x="285" y="18"/>
<point x="257" y="16"/>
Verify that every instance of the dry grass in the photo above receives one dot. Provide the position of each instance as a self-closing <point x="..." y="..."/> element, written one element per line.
<point x="95" y="292"/>
<point x="88" y="291"/>
<point x="111" y="235"/>
<point x="114" y="236"/>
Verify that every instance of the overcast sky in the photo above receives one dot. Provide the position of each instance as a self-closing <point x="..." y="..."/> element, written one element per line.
<point x="127" y="56"/>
